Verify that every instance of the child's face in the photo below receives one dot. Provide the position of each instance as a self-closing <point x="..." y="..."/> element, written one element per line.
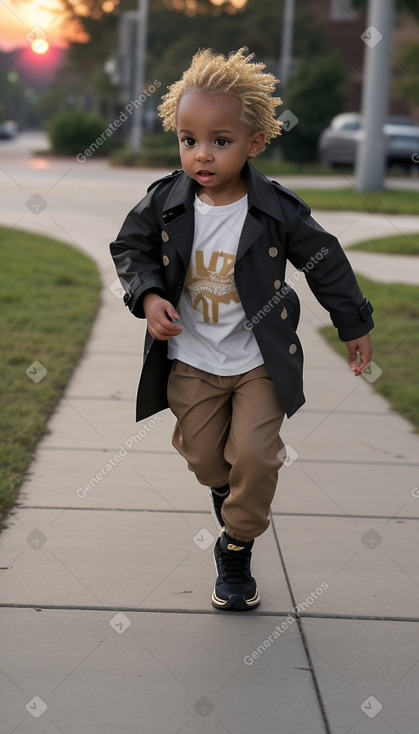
<point x="215" y="143"/>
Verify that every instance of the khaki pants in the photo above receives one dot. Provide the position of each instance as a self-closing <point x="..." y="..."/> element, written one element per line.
<point x="228" y="431"/>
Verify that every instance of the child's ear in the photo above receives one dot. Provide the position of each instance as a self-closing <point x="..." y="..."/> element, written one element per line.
<point x="257" y="141"/>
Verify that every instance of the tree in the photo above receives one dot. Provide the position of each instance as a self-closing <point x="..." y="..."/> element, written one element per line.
<point x="81" y="81"/>
<point x="172" y="40"/>
<point x="407" y="84"/>
<point x="314" y="95"/>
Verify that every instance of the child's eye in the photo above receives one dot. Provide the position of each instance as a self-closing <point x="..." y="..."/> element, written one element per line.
<point x="189" y="142"/>
<point x="221" y="142"/>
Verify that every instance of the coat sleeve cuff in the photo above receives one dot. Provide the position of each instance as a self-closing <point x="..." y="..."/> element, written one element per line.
<point x="355" y="324"/>
<point x="348" y="333"/>
<point x="133" y="298"/>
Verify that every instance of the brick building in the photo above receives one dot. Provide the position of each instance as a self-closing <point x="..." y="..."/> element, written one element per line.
<point x="343" y="27"/>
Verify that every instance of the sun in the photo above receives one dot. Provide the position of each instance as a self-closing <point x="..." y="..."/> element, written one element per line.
<point x="40" y="48"/>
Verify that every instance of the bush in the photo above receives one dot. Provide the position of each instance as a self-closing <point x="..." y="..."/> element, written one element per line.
<point x="72" y="132"/>
<point x="159" y="151"/>
<point x="314" y="94"/>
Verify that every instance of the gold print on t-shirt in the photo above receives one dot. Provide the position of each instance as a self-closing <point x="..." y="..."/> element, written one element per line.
<point x="212" y="285"/>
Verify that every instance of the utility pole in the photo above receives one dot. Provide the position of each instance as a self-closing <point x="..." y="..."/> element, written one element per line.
<point x="139" y="75"/>
<point x="378" y="38"/>
<point x="285" y="62"/>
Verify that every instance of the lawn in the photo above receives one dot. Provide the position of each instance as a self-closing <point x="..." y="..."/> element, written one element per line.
<point x="395" y="341"/>
<point x="406" y="244"/>
<point x="389" y="201"/>
<point x="49" y="295"/>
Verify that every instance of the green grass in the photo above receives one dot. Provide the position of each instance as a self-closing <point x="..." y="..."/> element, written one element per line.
<point x="389" y="201"/>
<point x="49" y="294"/>
<point x="272" y="167"/>
<point x="406" y="244"/>
<point x="395" y="341"/>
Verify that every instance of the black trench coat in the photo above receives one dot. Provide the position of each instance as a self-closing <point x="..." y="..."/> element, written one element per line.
<point x="152" y="253"/>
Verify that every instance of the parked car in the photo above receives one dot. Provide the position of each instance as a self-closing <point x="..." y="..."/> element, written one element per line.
<point x="338" y="143"/>
<point x="8" y="130"/>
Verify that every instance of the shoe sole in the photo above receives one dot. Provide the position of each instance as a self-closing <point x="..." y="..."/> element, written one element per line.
<point x="235" y="602"/>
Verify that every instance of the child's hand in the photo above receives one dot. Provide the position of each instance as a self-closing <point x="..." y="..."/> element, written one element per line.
<point x="364" y="347"/>
<point x="160" y="314"/>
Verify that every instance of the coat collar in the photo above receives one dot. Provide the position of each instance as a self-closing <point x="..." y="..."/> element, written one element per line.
<point x="260" y="191"/>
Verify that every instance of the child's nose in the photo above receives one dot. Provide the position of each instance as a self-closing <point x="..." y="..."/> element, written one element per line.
<point x="203" y="154"/>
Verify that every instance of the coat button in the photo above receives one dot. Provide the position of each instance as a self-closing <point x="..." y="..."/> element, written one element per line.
<point x="292" y="348"/>
<point x="273" y="251"/>
<point x="284" y="313"/>
<point x="277" y="284"/>
<point x="164" y="236"/>
<point x="165" y="260"/>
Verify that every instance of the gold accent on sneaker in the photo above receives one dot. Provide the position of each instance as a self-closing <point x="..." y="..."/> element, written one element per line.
<point x="232" y="547"/>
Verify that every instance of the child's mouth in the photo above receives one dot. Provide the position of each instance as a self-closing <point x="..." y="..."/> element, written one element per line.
<point x="204" y="175"/>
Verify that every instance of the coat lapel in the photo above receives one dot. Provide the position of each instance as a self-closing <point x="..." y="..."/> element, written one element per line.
<point x="261" y="194"/>
<point x="252" y="229"/>
<point x="178" y="212"/>
<point x="181" y="233"/>
<point x="263" y="198"/>
<point x="178" y="216"/>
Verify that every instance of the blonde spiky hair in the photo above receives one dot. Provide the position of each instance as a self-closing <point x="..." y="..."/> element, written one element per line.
<point x="234" y="74"/>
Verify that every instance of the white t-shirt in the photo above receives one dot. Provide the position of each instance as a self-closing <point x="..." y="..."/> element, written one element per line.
<point x="212" y="318"/>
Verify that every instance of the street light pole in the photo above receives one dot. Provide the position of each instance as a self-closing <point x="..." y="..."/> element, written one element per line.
<point x="378" y="38"/>
<point x="285" y="62"/>
<point x="139" y="76"/>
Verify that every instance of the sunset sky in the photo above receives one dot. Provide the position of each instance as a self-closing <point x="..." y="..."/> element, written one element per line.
<point x="19" y="17"/>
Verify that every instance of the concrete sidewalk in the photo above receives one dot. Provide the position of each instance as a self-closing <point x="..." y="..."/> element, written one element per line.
<point x="107" y="566"/>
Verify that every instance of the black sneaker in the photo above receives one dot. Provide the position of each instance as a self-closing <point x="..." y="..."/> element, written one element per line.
<point x="235" y="588"/>
<point x="217" y="497"/>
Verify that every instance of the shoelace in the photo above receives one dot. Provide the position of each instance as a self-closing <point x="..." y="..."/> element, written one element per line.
<point x="234" y="565"/>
